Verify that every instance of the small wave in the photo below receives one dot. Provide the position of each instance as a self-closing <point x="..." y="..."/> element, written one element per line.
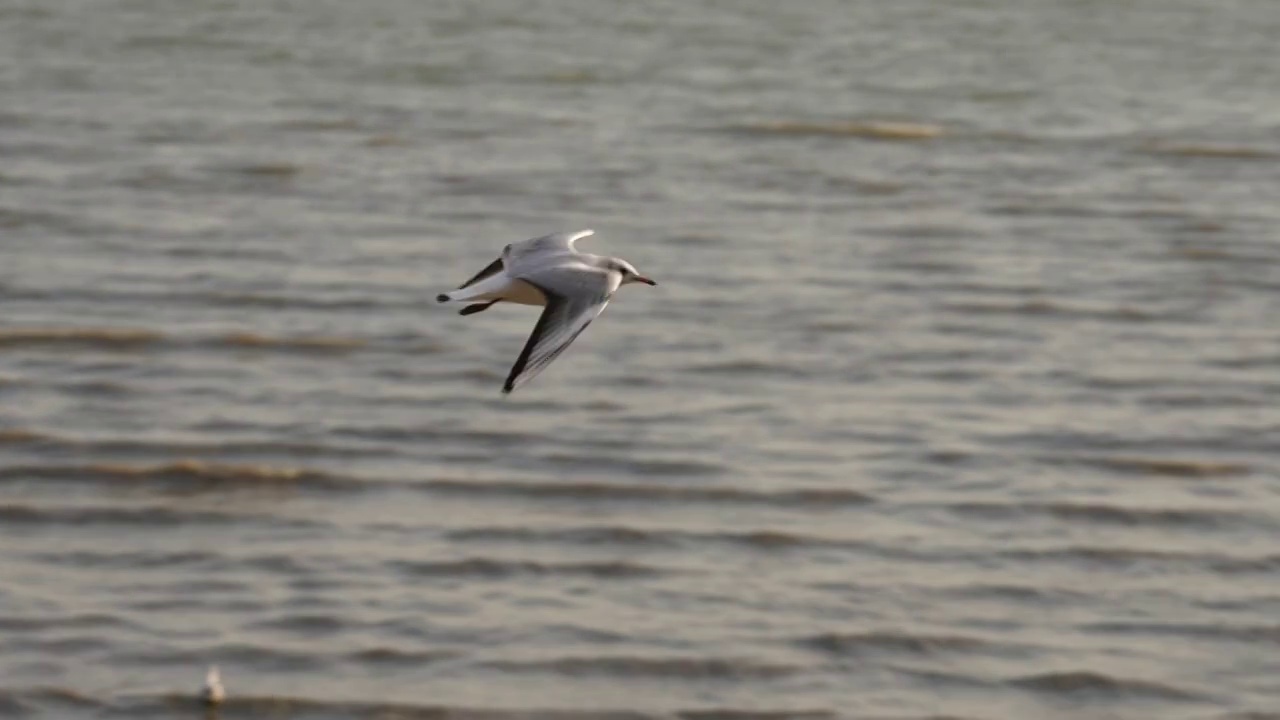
<point x="1269" y="634"/>
<point x="105" y="338"/>
<point x="303" y="624"/>
<point x="652" y="468"/>
<point x="125" y="339"/>
<point x="747" y="368"/>
<point x="410" y="434"/>
<point x="732" y="714"/>
<point x="1245" y="565"/>
<point x="187" y="474"/>
<point x="1107" y="556"/>
<point x="1102" y="513"/>
<point x="13" y="219"/>
<point x="211" y="472"/>
<point x="278" y="301"/>
<point x="140" y="560"/>
<point x="1045" y="308"/>
<point x="588" y="491"/>
<point x="699" y="239"/>
<point x="414" y="73"/>
<point x="765" y="540"/>
<point x="870" y="130"/>
<point x="775" y="539"/>
<point x="302" y="344"/>
<point x="181" y="42"/>
<point x="86" y="621"/>
<point x="837" y="326"/>
<point x="57" y="646"/>
<point x="1166" y="467"/>
<point x="579" y="76"/>
<point x="141" y="517"/>
<point x="387" y="140"/>
<point x="668" y="668"/>
<point x="1201" y="253"/>
<point x="1096" y="512"/>
<point x="280" y="565"/>
<point x="18" y="436"/>
<point x="1098" y="684"/>
<point x="278" y="170"/>
<point x="274" y="706"/>
<point x="613" y="535"/>
<point x="395" y="656"/>
<point x="1221" y="152"/>
<point x="1246" y="362"/>
<point x="894" y="642"/>
<point x="1051" y="208"/>
<point x="134" y="447"/>
<point x="41" y="700"/>
<point x="1121" y="558"/>
<point x="319" y="124"/>
<point x="258" y="656"/>
<point x="1038" y="596"/>
<point x="494" y="569"/>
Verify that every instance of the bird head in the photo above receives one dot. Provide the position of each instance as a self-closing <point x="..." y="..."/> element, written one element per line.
<point x="628" y="272"/>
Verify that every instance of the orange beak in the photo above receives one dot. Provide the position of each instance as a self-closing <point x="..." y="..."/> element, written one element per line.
<point x="645" y="280"/>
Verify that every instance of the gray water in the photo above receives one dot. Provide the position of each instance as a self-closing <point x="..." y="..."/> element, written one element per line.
<point x="958" y="396"/>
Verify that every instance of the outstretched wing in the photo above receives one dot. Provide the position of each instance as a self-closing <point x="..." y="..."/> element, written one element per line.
<point x="492" y="269"/>
<point x="547" y="245"/>
<point x="575" y="296"/>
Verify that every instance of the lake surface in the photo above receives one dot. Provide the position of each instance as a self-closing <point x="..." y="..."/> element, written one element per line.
<point x="959" y="395"/>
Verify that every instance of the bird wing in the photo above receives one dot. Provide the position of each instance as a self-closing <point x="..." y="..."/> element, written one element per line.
<point x="490" y="270"/>
<point x="519" y="253"/>
<point x="576" y="295"/>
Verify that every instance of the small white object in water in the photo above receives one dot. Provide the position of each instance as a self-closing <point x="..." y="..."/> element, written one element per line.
<point x="213" y="692"/>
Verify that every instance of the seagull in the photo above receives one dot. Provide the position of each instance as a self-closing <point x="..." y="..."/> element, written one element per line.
<point x="213" y="693"/>
<point x="572" y="286"/>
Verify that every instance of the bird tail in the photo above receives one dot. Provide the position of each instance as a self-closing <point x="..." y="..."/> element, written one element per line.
<point x="491" y="288"/>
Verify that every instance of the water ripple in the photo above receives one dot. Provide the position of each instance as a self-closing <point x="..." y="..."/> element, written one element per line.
<point x="830" y="498"/>
<point x="1107" y="514"/>
<point x="691" y="669"/>
<point x="860" y="643"/>
<point x="494" y="569"/>
<point x="140" y="517"/>
<point x="183" y="475"/>
<point x="1087" y="684"/>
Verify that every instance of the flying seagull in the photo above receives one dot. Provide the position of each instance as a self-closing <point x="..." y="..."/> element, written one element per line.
<point x="572" y="286"/>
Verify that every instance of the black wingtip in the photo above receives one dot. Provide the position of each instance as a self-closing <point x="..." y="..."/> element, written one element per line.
<point x="442" y="298"/>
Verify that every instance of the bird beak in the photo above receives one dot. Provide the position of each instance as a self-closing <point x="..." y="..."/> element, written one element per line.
<point x="645" y="280"/>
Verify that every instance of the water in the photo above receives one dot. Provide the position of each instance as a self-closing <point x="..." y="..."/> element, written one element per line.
<point x="958" y="396"/>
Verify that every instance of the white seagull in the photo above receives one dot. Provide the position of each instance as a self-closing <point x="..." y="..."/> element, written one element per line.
<point x="213" y="693"/>
<point x="573" y="286"/>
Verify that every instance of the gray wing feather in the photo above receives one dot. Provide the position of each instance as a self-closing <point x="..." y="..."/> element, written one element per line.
<point x="529" y="251"/>
<point x="576" y="295"/>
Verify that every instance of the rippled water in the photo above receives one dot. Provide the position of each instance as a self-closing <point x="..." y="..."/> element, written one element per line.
<point x="958" y="397"/>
